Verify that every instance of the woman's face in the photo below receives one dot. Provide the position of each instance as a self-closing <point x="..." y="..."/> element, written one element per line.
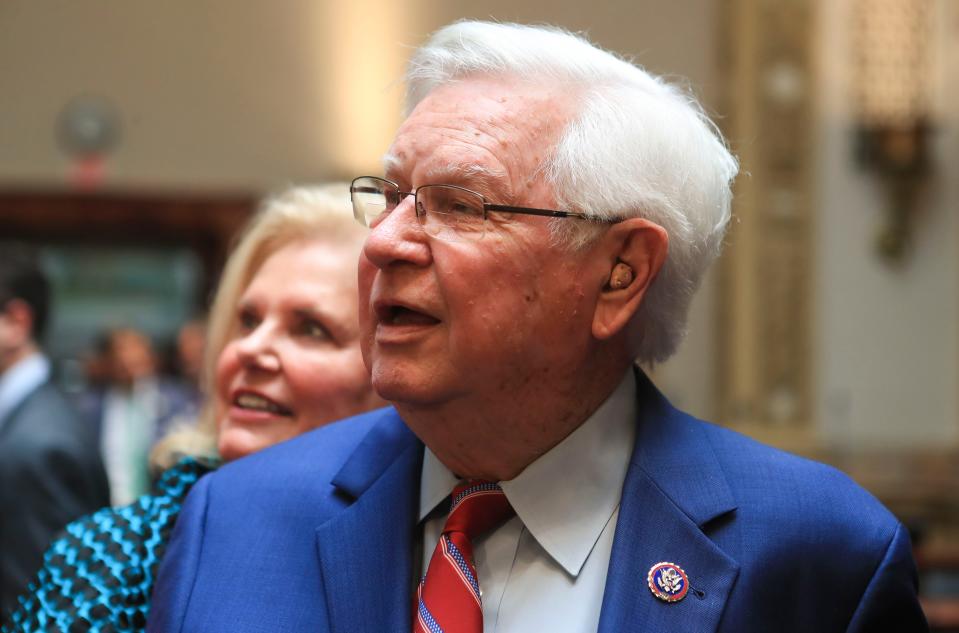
<point x="293" y="362"/>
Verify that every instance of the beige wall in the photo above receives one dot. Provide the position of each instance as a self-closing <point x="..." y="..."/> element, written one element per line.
<point x="209" y="97"/>
<point x="256" y="94"/>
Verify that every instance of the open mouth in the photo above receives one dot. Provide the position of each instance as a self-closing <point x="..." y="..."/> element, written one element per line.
<point x="400" y="315"/>
<point x="254" y="402"/>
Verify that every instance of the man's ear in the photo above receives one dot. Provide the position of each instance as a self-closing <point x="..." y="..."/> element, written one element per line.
<point x="636" y="249"/>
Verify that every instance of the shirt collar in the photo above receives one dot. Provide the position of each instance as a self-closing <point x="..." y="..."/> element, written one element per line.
<point x="21" y="380"/>
<point x="564" y="507"/>
<point x="436" y="483"/>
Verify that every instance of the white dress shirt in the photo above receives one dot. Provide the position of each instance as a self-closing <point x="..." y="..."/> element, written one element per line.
<point x="545" y="569"/>
<point x="20" y="380"/>
<point x="126" y="435"/>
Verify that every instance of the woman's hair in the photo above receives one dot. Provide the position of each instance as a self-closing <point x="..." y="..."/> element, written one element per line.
<point x="296" y="214"/>
<point x="638" y="147"/>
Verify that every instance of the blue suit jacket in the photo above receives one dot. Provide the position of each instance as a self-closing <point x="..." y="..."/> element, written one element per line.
<point x="317" y="534"/>
<point x="50" y="474"/>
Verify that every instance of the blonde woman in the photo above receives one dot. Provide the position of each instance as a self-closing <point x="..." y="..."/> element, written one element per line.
<point x="282" y="358"/>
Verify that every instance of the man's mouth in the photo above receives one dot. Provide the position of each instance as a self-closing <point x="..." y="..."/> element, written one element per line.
<point x="256" y="402"/>
<point x="400" y="315"/>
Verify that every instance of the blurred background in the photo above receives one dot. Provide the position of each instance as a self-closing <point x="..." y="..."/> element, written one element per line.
<point x="136" y="137"/>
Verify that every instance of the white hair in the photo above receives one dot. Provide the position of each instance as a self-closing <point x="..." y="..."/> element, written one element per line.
<point x="638" y="147"/>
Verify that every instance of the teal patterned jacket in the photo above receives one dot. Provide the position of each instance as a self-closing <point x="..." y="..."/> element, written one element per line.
<point x="98" y="575"/>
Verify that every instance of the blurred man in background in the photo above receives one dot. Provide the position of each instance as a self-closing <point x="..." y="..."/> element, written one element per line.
<point x="131" y="410"/>
<point x="188" y="361"/>
<point x="50" y="470"/>
<point x="190" y="341"/>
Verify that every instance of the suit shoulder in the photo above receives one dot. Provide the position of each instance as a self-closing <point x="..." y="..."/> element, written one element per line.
<point x="301" y="461"/>
<point x="764" y="476"/>
<point x="809" y="543"/>
<point x="46" y="421"/>
<point x="47" y="400"/>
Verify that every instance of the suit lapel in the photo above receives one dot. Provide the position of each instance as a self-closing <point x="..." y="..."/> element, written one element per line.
<point x="659" y="532"/>
<point x="674" y="488"/>
<point x="365" y="550"/>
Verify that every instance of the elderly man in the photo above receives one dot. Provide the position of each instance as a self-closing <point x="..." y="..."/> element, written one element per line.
<point x="546" y="214"/>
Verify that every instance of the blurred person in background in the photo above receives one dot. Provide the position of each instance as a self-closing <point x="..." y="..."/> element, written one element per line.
<point x="183" y="365"/>
<point x="190" y="342"/>
<point x="282" y="358"/>
<point x="50" y="470"/>
<point x="131" y="410"/>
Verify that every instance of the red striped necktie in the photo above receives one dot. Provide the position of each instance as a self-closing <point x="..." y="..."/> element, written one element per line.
<point x="449" y="595"/>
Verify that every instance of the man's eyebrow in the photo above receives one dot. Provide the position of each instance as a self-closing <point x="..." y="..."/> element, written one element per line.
<point x="492" y="183"/>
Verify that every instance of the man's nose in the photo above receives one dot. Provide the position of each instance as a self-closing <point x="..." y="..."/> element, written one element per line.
<point x="257" y="349"/>
<point x="398" y="238"/>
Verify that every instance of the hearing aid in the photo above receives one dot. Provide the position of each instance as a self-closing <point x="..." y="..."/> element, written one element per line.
<point x="621" y="276"/>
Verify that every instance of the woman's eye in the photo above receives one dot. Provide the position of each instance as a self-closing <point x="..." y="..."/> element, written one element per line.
<point x="314" y="329"/>
<point x="248" y="320"/>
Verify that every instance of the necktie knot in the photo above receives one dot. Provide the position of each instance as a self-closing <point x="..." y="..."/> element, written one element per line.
<point x="477" y="507"/>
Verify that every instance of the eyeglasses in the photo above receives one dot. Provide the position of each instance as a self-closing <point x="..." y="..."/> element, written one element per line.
<point x="447" y="212"/>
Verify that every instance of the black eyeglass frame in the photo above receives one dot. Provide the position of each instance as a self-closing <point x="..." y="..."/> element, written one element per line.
<point x="487" y="206"/>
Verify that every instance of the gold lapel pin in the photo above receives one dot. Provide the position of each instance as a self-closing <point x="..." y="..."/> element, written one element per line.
<point x="668" y="582"/>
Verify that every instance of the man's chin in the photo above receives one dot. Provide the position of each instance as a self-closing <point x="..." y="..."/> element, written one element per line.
<point x="396" y="392"/>
<point x="406" y="391"/>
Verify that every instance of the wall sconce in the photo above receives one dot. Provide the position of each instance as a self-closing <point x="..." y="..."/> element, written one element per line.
<point x="893" y="104"/>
